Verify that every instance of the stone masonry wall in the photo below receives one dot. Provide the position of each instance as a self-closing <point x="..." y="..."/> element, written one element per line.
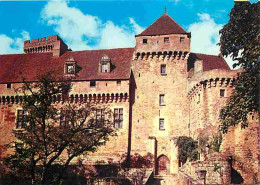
<point x="106" y="93"/>
<point x="150" y="83"/>
<point x="205" y="105"/>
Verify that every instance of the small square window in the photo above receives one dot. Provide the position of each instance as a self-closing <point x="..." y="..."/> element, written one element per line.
<point x="118" y="82"/>
<point x="182" y="39"/>
<point x="166" y="40"/>
<point x="161" y="124"/>
<point x="93" y="84"/>
<point x="222" y="92"/>
<point x="161" y="100"/>
<point x="144" y="41"/>
<point x="163" y="69"/>
<point x="8" y="85"/>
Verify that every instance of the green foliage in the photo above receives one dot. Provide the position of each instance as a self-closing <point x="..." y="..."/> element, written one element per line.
<point x="46" y="141"/>
<point x="216" y="142"/>
<point x="188" y="149"/>
<point x="203" y="142"/>
<point x="240" y="39"/>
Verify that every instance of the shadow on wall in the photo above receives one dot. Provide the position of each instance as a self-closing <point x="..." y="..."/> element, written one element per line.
<point x="236" y="177"/>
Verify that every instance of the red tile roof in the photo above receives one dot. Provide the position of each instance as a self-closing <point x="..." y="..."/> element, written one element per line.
<point x="15" y="67"/>
<point x="210" y="62"/>
<point x="165" y="25"/>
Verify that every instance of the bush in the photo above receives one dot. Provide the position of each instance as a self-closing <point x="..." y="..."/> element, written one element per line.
<point x="188" y="149"/>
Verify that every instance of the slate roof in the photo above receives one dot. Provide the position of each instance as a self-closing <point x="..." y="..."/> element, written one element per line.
<point x="164" y="25"/>
<point x="15" y="67"/>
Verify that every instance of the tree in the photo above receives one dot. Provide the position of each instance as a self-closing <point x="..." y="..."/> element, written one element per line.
<point x="240" y="39"/>
<point x="187" y="149"/>
<point x="55" y="133"/>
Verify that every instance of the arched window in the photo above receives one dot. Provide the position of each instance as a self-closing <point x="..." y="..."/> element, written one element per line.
<point x="105" y="62"/>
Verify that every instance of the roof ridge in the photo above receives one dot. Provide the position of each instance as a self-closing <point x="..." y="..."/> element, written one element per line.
<point x="100" y="49"/>
<point x="25" y="54"/>
<point x="207" y="54"/>
<point x="164" y="25"/>
<point x="175" y="21"/>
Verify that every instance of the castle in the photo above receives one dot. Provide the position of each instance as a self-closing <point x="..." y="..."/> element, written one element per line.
<point x="159" y="90"/>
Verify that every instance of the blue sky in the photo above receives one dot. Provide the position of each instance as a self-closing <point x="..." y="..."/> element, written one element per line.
<point x="108" y="24"/>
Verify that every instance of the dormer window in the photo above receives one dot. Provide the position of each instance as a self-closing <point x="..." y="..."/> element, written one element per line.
<point x="70" y="66"/>
<point x="105" y="63"/>
<point x="70" y="69"/>
<point x="104" y="68"/>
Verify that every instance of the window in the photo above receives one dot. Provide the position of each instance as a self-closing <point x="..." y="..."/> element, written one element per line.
<point x="104" y="68"/>
<point x="144" y="41"/>
<point x="65" y="119"/>
<point x="118" y="118"/>
<point x="93" y="84"/>
<point x="182" y="39"/>
<point x="118" y="82"/>
<point x="163" y="69"/>
<point x="198" y="100"/>
<point x="161" y="99"/>
<point x="70" y="68"/>
<point x="104" y="64"/>
<point x="8" y="85"/>
<point x="100" y="115"/>
<point x="222" y="92"/>
<point x="21" y="119"/>
<point x="166" y="40"/>
<point x="161" y="124"/>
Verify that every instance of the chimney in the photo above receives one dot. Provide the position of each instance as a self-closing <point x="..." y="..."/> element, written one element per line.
<point x="53" y="44"/>
<point x="198" y="66"/>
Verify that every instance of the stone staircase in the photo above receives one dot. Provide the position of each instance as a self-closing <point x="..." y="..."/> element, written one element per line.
<point x="164" y="180"/>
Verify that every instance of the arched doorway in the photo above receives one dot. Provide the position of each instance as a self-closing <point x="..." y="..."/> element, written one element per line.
<point x="163" y="165"/>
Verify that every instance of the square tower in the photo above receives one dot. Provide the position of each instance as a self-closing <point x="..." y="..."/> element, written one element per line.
<point x="163" y="35"/>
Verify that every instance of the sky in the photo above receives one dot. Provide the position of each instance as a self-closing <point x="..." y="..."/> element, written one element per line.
<point x="85" y="25"/>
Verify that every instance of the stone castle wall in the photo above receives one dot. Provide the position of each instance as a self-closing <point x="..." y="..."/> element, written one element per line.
<point x="205" y="106"/>
<point x="150" y="84"/>
<point x="106" y="93"/>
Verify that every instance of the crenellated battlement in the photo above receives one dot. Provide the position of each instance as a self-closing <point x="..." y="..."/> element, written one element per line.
<point x="169" y="55"/>
<point x="73" y="98"/>
<point x="209" y="83"/>
<point x="52" y="44"/>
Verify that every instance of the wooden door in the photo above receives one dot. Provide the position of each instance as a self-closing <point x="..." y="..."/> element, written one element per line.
<point x="163" y="165"/>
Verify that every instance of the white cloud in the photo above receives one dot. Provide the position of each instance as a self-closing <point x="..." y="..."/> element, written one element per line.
<point x="13" y="45"/>
<point x="78" y="29"/>
<point x="137" y="29"/>
<point x="70" y="23"/>
<point x="113" y="36"/>
<point x="205" y="36"/>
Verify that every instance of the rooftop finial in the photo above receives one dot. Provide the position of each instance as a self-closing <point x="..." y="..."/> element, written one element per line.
<point x="165" y="9"/>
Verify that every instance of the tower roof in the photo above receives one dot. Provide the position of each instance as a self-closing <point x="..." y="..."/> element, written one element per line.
<point x="164" y="25"/>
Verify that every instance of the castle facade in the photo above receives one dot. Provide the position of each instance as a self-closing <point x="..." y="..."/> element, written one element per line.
<point x="159" y="90"/>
